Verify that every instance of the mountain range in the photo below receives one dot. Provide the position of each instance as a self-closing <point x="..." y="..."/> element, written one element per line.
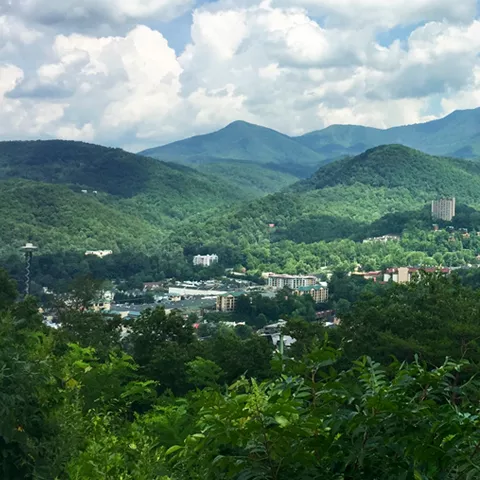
<point x="223" y="190"/>
<point x="456" y="135"/>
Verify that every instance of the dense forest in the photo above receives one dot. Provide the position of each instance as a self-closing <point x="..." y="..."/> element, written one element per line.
<point x="390" y="393"/>
<point x="76" y="196"/>
<point x="176" y="212"/>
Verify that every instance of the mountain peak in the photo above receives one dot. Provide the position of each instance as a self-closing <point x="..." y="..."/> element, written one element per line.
<point x="241" y="123"/>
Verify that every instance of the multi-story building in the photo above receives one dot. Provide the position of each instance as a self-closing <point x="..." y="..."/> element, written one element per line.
<point x="443" y="209"/>
<point x="290" y="281"/>
<point x="205" y="260"/>
<point x="228" y="301"/>
<point x="318" y="292"/>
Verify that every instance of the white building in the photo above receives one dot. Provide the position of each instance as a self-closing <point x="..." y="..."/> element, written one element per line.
<point x="205" y="260"/>
<point x="291" y="281"/>
<point x="443" y="209"/>
<point x="383" y="239"/>
<point x="99" y="253"/>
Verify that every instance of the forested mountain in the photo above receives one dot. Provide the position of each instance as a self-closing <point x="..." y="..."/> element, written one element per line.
<point x="128" y="200"/>
<point x="384" y="190"/>
<point x="60" y="219"/>
<point x="109" y="170"/>
<point x="456" y="135"/>
<point x="238" y="141"/>
<point x="242" y="142"/>
<point x="148" y="206"/>
<point x="395" y="166"/>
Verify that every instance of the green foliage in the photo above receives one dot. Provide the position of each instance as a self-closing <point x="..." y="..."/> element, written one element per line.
<point x="203" y="373"/>
<point x="253" y="179"/>
<point x="239" y="412"/>
<point x="8" y="290"/>
<point x="137" y="197"/>
<point x="331" y="425"/>
<point x="434" y="317"/>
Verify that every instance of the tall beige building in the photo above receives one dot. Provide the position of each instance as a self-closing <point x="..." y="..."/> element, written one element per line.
<point x="319" y="293"/>
<point x="443" y="209"/>
<point x="228" y="301"/>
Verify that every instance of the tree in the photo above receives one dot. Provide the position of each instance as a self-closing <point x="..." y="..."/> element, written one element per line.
<point x="162" y="345"/>
<point x="83" y="291"/>
<point x="90" y="329"/>
<point x="434" y="316"/>
<point x="243" y="306"/>
<point x="8" y="290"/>
<point x="315" y="422"/>
<point x="260" y="321"/>
<point x="237" y="357"/>
<point x="203" y="373"/>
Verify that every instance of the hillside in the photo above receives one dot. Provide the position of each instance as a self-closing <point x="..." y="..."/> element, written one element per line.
<point x="253" y="179"/>
<point x="129" y="199"/>
<point x="343" y="200"/>
<point x="241" y="141"/>
<point x="395" y="166"/>
<point x="154" y="190"/>
<point x="458" y="135"/>
<point x="58" y="219"/>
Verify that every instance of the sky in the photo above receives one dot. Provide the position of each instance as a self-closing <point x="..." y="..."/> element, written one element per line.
<point x="142" y="73"/>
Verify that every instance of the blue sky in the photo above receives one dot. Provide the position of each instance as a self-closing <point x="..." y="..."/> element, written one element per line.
<point x="115" y="72"/>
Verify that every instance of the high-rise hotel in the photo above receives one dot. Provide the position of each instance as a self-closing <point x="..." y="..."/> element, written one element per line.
<point x="443" y="209"/>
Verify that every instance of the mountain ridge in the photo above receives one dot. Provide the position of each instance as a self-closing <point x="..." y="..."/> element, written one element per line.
<point x="445" y="136"/>
<point x="457" y="134"/>
<point x="242" y="141"/>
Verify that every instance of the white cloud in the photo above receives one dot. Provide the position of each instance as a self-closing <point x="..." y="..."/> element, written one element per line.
<point x="386" y="13"/>
<point x="14" y="33"/>
<point x="252" y="60"/>
<point x="114" y="84"/>
<point x="10" y="76"/>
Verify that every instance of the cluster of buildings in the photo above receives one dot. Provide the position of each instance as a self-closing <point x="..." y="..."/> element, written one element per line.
<point x="299" y="284"/>
<point x="383" y="239"/>
<point x="398" y="275"/>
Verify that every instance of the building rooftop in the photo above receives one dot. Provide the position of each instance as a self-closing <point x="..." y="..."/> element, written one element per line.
<point x="420" y="269"/>
<point x="312" y="287"/>
<point x="284" y="275"/>
<point x="232" y="294"/>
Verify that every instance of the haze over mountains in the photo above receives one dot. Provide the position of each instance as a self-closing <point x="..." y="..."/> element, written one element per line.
<point x="456" y="135"/>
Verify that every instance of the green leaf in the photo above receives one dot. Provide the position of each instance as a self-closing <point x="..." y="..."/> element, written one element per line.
<point x="282" y="421"/>
<point x="173" y="449"/>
